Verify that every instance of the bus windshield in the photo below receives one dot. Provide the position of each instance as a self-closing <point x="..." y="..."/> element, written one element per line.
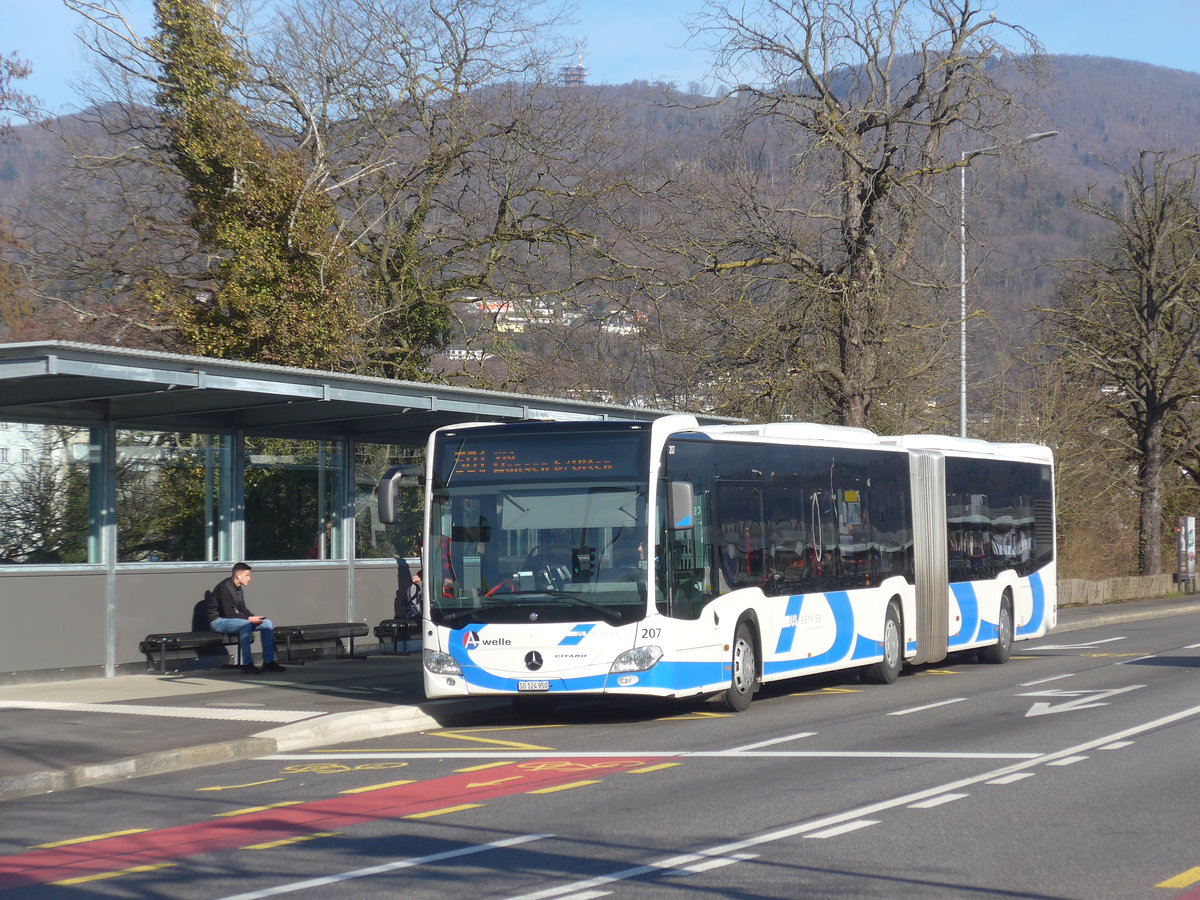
<point x="538" y="526"/>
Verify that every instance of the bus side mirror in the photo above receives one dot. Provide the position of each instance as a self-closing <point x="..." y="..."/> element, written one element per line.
<point x="680" y="502"/>
<point x="409" y="476"/>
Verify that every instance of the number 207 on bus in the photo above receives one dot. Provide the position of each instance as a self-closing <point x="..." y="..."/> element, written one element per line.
<point x="670" y="559"/>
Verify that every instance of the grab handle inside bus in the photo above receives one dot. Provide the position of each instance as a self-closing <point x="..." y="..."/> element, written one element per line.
<point x="411" y="476"/>
<point x="681" y="499"/>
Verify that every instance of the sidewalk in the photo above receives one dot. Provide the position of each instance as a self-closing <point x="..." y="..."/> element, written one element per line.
<point x="69" y="734"/>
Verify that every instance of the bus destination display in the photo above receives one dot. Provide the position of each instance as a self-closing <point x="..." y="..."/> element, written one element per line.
<point x="554" y="459"/>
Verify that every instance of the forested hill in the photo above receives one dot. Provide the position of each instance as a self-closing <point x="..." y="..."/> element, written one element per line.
<point x="1021" y="217"/>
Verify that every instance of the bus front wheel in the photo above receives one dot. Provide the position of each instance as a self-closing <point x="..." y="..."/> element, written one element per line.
<point x="744" y="677"/>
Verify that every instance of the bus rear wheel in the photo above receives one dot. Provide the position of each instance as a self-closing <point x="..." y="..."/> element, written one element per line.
<point x="999" y="652"/>
<point x="744" y="680"/>
<point x="887" y="670"/>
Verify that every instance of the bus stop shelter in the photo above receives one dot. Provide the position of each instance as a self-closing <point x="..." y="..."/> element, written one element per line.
<point x="131" y="481"/>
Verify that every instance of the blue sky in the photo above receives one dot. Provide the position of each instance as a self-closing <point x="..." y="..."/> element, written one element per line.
<point x="628" y="39"/>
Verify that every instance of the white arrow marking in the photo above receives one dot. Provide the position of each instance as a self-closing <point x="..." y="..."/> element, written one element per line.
<point x="1086" y="700"/>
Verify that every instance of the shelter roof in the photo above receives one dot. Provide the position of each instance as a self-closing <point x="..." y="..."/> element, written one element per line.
<point x="62" y="382"/>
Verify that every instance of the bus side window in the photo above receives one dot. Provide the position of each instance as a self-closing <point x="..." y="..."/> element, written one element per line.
<point x="742" y="541"/>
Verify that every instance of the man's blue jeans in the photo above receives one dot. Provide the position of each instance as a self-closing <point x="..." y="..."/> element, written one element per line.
<point x="245" y="632"/>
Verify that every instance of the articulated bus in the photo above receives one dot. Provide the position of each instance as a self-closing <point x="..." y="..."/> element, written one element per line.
<point x="670" y="559"/>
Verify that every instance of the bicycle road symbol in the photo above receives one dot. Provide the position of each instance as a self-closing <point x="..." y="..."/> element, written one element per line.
<point x="571" y="765"/>
<point x="331" y="768"/>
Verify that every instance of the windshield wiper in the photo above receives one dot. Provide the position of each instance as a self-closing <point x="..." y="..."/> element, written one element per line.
<point x="612" y="616"/>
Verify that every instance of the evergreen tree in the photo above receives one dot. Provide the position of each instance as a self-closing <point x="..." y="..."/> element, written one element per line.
<point x="282" y="288"/>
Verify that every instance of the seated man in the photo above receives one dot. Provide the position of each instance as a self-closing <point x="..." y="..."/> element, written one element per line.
<point x="227" y="614"/>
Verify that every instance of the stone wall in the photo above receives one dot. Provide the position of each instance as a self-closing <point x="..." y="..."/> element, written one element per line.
<point x="1078" y="592"/>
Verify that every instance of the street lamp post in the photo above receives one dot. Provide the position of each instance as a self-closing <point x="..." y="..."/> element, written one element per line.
<point x="964" y="158"/>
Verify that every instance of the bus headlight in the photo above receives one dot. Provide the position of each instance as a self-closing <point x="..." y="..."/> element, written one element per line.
<point x="440" y="663"/>
<point x="639" y="659"/>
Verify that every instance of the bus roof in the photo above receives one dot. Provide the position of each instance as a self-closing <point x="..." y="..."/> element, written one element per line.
<point x="960" y="446"/>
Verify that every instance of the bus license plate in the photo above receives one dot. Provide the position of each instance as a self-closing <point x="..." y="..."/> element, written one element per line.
<point x="533" y="685"/>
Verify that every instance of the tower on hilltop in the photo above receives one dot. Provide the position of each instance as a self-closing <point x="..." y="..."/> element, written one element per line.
<point x="575" y="74"/>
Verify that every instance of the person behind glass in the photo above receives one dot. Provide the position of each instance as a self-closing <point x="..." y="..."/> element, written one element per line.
<point x="228" y="614"/>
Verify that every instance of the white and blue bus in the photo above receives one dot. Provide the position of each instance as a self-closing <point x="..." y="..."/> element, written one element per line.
<point x="670" y="559"/>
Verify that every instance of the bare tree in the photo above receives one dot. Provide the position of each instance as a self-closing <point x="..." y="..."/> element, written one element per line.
<point x="811" y="228"/>
<point x="14" y="102"/>
<point x="458" y="166"/>
<point x="1128" y="319"/>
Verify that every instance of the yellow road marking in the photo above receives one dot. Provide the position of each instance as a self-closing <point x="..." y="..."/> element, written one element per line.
<point x="254" y="809"/>
<point x="687" y="717"/>
<point x="442" y="812"/>
<point x="232" y="787"/>
<point x="562" y="787"/>
<point x="90" y="837"/>
<point x="283" y="842"/>
<point x="375" y="787"/>
<point x="477" y="784"/>
<point x="827" y="690"/>
<point x="645" y="769"/>
<point x="471" y="735"/>
<point x="1182" y="880"/>
<point x="84" y="879"/>
<point x="1110" y="655"/>
<point x="491" y="765"/>
<point x="939" y="672"/>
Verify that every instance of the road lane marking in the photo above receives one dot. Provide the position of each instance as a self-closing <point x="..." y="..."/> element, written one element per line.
<point x="852" y="815"/>
<point x="234" y="787"/>
<point x="1085" y="646"/>
<point x="445" y="810"/>
<point x="1046" y="680"/>
<point x="325" y="880"/>
<point x="1082" y="700"/>
<point x="101" y="876"/>
<point x="707" y="865"/>
<point x="1182" y="880"/>
<point x="844" y="828"/>
<point x="493" y="782"/>
<point x="287" y="842"/>
<point x="69" y="842"/>
<point x="779" y="740"/>
<point x="472" y="734"/>
<point x="1069" y="761"/>
<point x="1117" y="745"/>
<point x="644" y="770"/>
<point x="553" y="789"/>
<point x="916" y="709"/>
<point x="1010" y="779"/>
<point x="490" y="765"/>
<point x="249" y="810"/>
<point x="275" y="716"/>
<point x="376" y="787"/>
<point x="937" y="801"/>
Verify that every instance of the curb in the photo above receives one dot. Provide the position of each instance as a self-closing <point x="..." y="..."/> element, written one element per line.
<point x="1115" y="618"/>
<point x="358" y="725"/>
<point x="15" y="786"/>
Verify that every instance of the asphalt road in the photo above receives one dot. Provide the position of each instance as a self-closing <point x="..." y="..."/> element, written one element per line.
<point x="1068" y="773"/>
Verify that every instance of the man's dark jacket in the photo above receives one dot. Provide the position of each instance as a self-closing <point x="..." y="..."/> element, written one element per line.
<point x="225" y="602"/>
